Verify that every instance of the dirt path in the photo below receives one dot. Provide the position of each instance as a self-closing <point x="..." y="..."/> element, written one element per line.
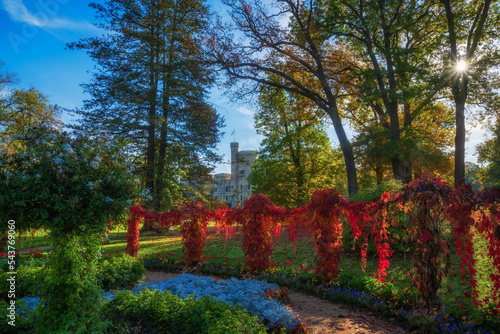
<point x="321" y="316"/>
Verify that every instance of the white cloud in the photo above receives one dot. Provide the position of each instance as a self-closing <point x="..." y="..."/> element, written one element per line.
<point x="44" y="18"/>
<point x="245" y="111"/>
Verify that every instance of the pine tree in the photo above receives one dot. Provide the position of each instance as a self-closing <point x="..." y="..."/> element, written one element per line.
<point x="150" y="87"/>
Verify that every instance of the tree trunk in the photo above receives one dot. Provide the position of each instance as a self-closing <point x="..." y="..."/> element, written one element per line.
<point x="345" y="146"/>
<point x="460" y="141"/>
<point x="379" y="174"/>
<point x="150" y="151"/>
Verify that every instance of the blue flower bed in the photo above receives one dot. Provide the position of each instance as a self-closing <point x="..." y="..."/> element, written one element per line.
<point x="249" y="293"/>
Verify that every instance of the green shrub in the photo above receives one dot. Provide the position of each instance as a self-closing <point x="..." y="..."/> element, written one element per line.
<point x="374" y="194"/>
<point x="155" y="311"/>
<point x="23" y="319"/>
<point x="28" y="280"/>
<point x="386" y="291"/>
<point x="119" y="272"/>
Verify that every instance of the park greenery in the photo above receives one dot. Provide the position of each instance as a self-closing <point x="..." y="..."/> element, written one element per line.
<point x="408" y="77"/>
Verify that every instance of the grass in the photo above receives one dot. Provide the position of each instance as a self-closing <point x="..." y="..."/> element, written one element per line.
<point x="37" y="238"/>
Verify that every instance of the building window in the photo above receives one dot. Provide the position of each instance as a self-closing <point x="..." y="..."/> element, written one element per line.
<point x="228" y="188"/>
<point x="227" y="198"/>
<point x="247" y="187"/>
<point x="242" y="172"/>
<point x="241" y="197"/>
<point x="241" y="187"/>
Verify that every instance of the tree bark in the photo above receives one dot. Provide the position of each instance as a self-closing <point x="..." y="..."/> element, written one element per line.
<point x="459" y="140"/>
<point x="345" y="146"/>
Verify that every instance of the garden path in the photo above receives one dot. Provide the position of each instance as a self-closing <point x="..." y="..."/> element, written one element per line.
<point x="321" y="316"/>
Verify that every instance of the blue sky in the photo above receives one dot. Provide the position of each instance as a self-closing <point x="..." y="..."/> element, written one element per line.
<point x="33" y="37"/>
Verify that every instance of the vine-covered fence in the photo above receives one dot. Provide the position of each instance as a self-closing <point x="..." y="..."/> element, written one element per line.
<point x="429" y="203"/>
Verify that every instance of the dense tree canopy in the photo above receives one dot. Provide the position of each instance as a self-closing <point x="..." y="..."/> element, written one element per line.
<point x="296" y="157"/>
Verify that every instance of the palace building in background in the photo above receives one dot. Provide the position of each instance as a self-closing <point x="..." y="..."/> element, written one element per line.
<point x="234" y="188"/>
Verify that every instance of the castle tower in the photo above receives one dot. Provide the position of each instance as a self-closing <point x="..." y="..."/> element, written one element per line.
<point x="234" y="166"/>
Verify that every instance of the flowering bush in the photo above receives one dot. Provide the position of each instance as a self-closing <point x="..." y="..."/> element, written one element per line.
<point x="71" y="186"/>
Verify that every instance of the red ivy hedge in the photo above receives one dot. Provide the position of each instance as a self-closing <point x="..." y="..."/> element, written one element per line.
<point x="429" y="202"/>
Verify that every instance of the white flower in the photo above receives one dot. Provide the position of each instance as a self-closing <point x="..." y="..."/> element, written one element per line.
<point x="108" y="199"/>
<point x="37" y="175"/>
<point x="94" y="164"/>
<point x="68" y="148"/>
<point x="57" y="161"/>
<point x="90" y="184"/>
<point x="149" y="197"/>
<point x="128" y="201"/>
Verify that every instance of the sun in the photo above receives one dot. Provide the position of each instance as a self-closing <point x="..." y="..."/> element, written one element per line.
<point x="461" y="66"/>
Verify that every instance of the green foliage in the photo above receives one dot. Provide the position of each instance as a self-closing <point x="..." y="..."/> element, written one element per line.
<point x="473" y="175"/>
<point x="28" y="281"/>
<point x="112" y="272"/>
<point x="296" y="156"/>
<point x="373" y="194"/>
<point x="119" y="271"/>
<point x="66" y="185"/>
<point x="385" y="290"/>
<point x="24" y="319"/>
<point x="71" y="186"/>
<point x="489" y="154"/>
<point x="24" y="109"/>
<point x="164" y="312"/>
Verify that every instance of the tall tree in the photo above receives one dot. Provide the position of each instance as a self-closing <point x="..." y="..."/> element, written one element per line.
<point x="296" y="157"/>
<point x="22" y="110"/>
<point x="472" y="37"/>
<point x="392" y="40"/>
<point x="297" y="56"/>
<point x="151" y="85"/>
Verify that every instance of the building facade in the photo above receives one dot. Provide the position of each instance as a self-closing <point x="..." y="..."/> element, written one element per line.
<point x="234" y="188"/>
